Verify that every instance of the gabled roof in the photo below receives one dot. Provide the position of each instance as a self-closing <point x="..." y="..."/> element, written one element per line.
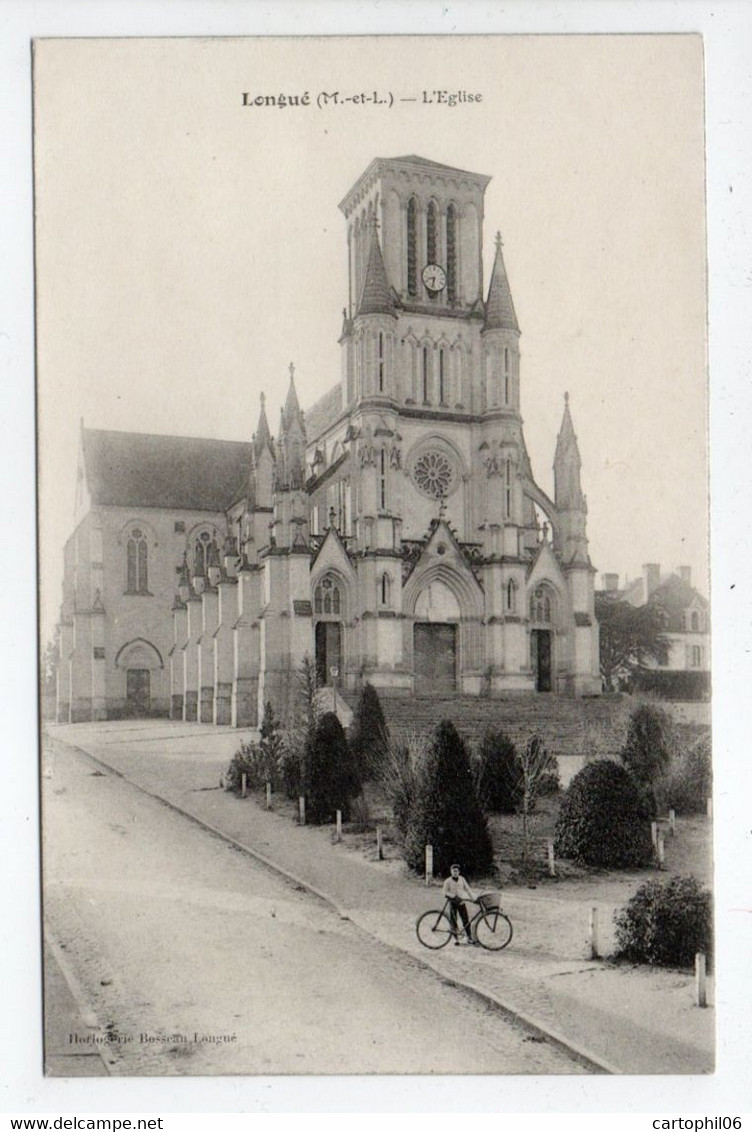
<point x="133" y="469"/>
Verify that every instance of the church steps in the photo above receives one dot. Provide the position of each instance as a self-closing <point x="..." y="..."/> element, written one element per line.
<point x="569" y="727"/>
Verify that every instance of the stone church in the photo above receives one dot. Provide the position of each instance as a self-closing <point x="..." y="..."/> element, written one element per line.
<point x="394" y="533"/>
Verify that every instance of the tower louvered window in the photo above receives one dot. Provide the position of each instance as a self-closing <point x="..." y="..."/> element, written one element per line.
<point x="506" y="375"/>
<point x="412" y="247"/>
<point x="507" y="489"/>
<point x="432" y="226"/>
<point x="382" y="481"/>
<point x="451" y="253"/>
<point x="442" y="383"/>
<point x="425" y="375"/>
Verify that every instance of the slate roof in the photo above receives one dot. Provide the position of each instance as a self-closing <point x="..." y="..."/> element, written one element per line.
<point x="500" y="312"/>
<point x="132" y="469"/>
<point x="376" y="294"/>
<point x="674" y="596"/>
<point x="323" y="413"/>
<point x="415" y="160"/>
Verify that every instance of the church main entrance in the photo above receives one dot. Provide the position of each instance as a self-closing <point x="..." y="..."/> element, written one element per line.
<point x="328" y="651"/>
<point x="435" y="658"/>
<point x="138" y="691"/>
<point x="540" y="648"/>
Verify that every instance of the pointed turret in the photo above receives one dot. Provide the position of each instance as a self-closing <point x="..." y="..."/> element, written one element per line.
<point x="291" y="472"/>
<point x="568" y="497"/>
<point x="292" y="405"/>
<point x="500" y="313"/>
<point x="567" y="464"/>
<point x="262" y="437"/>
<point x="376" y="295"/>
<point x="261" y="472"/>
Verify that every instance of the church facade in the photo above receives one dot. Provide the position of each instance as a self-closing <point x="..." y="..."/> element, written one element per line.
<point x="394" y="533"/>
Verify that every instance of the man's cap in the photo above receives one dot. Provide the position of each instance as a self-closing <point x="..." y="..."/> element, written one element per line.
<point x="454" y="867"/>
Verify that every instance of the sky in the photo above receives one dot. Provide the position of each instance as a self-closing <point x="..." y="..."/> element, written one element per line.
<point x="189" y="247"/>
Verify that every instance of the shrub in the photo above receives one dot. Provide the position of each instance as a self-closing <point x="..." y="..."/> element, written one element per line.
<point x="498" y="773"/>
<point x="446" y="812"/>
<point x="673" y="685"/>
<point x="603" y="820"/>
<point x="399" y="775"/>
<point x="666" y="923"/>
<point x="245" y="761"/>
<point x="688" y="782"/>
<point x="369" y="734"/>
<point x="331" y="778"/>
<point x="646" y="749"/>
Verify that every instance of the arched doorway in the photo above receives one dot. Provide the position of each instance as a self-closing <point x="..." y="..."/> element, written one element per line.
<point x="142" y="665"/>
<point x="435" y="640"/>
<point x="328" y="609"/>
<point x="542" y="622"/>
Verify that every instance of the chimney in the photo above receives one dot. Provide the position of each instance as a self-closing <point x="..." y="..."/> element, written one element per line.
<point x="651" y="573"/>
<point x="685" y="573"/>
<point x="610" y="583"/>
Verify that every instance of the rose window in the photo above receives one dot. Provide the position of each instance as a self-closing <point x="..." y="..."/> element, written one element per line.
<point x="433" y="474"/>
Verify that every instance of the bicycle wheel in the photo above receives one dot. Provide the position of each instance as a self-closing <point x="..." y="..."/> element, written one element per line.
<point x="434" y="930"/>
<point x="493" y="930"/>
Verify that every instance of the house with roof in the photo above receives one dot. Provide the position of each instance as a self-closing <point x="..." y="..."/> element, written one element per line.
<point x="394" y="533"/>
<point x="684" y="617"/>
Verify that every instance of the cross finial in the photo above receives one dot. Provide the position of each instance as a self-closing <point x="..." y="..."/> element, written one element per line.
<point x="566" y="398"/>
<point x="499" y="242"/>
<point x="442" y="506"/>
<point x="292" y="371"/>
<point x="262" y="399"/>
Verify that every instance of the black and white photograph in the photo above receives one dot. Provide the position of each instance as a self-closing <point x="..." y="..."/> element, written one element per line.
<point x="374" y="580"/>
<point x="376" y="421"/>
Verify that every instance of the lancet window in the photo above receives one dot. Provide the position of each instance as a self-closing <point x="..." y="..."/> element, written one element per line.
<point x="137" y="557"/>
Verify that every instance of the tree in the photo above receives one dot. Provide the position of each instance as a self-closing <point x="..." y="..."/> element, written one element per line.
<point x="630" y="636"/>
<point x="50" y="662"/>
<point x="498" y="773"/>
<point x="271" y="746"/>
<point x="331" y="778"/>
<point x="446" y="813"/>
<point x="302" y="724"/>
<point x="369" y="734"/>
<point x="647" y="748"/>
<point x="536" y="767"/>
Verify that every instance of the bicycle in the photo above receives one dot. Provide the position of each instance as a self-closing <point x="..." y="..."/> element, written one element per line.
<point x="489" y="926"/>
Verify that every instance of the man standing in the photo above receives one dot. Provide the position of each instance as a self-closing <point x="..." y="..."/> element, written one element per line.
<point x="457" y="891"/>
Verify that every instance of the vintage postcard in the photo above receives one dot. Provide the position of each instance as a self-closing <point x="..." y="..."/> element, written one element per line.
<point x="373" y="513"/>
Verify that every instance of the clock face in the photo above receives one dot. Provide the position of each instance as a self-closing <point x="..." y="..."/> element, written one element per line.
<point x="434" y="277"/>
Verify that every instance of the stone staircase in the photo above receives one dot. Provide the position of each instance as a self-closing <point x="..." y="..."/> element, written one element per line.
<point x="579" y="728"/>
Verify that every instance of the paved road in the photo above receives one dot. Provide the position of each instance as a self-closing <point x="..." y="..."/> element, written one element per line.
<point x="194" y="960"/>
